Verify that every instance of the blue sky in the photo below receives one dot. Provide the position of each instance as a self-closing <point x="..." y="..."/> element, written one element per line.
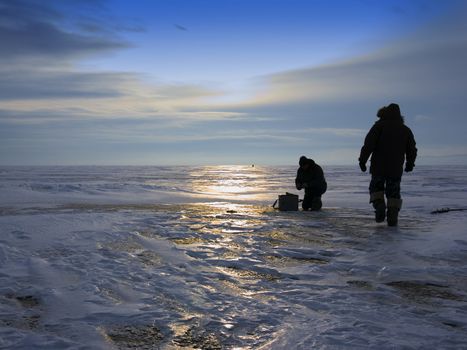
<point x="227" y="81"/>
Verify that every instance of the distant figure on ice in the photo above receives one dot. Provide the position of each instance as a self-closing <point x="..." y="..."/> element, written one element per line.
<point x="388" y="142"/>
<point x="310" y="176"/>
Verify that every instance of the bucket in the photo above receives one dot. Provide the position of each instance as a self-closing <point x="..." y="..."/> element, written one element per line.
<point x="288" y="202"/>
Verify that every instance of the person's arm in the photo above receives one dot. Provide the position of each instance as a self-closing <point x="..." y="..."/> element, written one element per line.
<point x="410" y="152"/>
<point x="369" y="145"/>
<point x="298" y="181"/>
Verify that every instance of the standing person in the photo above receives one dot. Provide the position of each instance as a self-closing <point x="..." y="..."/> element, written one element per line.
<point x="310" y="176"/>
<point x="388" y="142"/>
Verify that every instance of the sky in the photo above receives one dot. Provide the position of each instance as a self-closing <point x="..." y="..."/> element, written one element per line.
<point x="194" y="82"/>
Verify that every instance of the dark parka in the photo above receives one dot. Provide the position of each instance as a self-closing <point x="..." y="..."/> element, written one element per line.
<point x="389" y="142"/>
<point x="312" y="179"/>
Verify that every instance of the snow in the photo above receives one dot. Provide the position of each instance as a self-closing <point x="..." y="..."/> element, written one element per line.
<point x="195" y="257"/>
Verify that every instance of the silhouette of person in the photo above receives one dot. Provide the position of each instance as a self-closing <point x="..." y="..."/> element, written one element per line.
<point x="310" y="176"/>
<point x="389" y="142"/>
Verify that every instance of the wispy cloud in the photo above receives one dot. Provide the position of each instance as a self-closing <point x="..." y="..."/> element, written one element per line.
<point x="420" y="118"/>
<point x="430" y="71"/>
<point x="443" y="154"/>
<point x="343" y="132"/>
<point x="429" y="64"/>
<point x="45" y="84"/>
<point x="30" y="31"/>
<point x="41" y="82"/>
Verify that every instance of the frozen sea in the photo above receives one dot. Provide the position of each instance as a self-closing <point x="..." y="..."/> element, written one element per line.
<point x="196" y="258"/>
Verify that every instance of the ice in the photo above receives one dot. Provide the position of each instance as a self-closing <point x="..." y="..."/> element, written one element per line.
<point x="195" y="257"/>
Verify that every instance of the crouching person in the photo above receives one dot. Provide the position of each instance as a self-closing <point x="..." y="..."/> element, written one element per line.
<point x="310" y="177"/>
<point x="389" y="142"/>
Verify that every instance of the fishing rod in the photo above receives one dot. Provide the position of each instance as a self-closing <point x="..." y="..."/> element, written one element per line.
<point x="445" y="210"/>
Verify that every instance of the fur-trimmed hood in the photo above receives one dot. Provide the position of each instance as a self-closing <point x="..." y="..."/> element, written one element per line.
<point x="390" y="112"/>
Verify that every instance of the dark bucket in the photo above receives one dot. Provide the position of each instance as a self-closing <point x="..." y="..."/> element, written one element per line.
<point x="288" y="202"/>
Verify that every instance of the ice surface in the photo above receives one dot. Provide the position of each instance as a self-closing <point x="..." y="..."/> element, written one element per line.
<point x="195" y="257"/>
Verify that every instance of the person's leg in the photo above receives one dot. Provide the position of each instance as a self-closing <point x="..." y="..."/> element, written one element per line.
<point x="315" y="193"/>
<point x="316" y="203"/>
<point x="377" y="197"/>
<point x="393" y="194"/>
<point x="306" y="204"/>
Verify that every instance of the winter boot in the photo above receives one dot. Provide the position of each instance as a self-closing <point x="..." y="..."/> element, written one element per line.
<point x="377" y="199"/>
<point x="394" y="205"/>
<point x="316" y="203"/>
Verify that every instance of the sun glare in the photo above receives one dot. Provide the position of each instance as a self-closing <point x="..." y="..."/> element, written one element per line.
<point x="229" y="182"/>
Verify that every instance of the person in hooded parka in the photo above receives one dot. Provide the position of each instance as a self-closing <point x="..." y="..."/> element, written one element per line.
<point x="389" y="142"/>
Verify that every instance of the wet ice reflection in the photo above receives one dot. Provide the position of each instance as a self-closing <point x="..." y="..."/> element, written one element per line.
<point x="230" y="182"/>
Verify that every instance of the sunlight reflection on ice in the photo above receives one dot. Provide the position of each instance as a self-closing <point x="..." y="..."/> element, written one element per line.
<point x="230" y="182"/>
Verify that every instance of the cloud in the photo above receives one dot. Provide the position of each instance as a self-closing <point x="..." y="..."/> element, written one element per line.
<point x="183" y="91"/>
<point x="341" y="132"/>
<point x="35" y="113"/>
<point x="155" y="132"/>
<point x="431" y="71"/>
<point x="41" y="44"/>
<point x="422" y="118"/>
<point x="426" y="65"/>
<point x="39" y="50"/>
<point x="42" y="84"/>
<point x="48" y="84"/>
<point x="443" y="154"/>
<point x="31" y="31"/>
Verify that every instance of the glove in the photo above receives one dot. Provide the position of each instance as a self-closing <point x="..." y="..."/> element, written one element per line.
<point x="362" y="166"/>
<point x="408" y="168"/>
